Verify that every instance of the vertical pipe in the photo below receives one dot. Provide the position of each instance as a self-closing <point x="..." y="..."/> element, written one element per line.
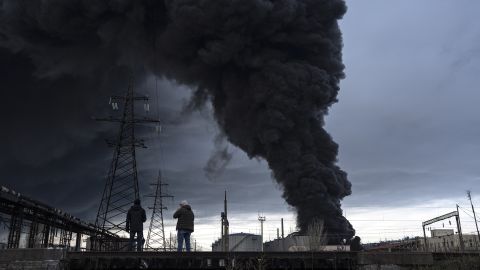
<point x="78" y="241"/>
<point x="12" y="231"/>
<point x="46" y="235"/>
<point x="476" y="224"/>
<point x="261" y="230"/>
<point x="459" y="228"/>
<point x="32" y="234"/>
<point x="283" y="236"/>
<point x="474" y="216"/>
<point x="425" y="238"/>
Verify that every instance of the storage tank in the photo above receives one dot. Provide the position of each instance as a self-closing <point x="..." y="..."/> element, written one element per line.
<point x="240" y="242"/>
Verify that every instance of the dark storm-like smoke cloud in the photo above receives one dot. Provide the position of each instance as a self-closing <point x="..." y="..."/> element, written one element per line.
<point x="219" y="159"/>
<point x="270" y="68"/>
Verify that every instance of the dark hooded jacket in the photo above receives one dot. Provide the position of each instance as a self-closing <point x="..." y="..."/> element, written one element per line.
<point x="185" y="218"/>
<point x="135" y="218"/>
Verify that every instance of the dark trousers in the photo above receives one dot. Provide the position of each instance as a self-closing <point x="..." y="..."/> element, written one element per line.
<point x="181" y="235"/>
<point x="139" y="240"/>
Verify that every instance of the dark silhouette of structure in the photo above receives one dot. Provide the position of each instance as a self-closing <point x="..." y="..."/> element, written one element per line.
<point x="121" y="187"/>
<point x="156" y="231"/>
<point x="42" y="225"/>
<point x="225" y="226"/>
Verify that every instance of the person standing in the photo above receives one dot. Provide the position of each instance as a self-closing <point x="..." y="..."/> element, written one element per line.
<point x="136" y="216"/>
<point x="184" y="225"/>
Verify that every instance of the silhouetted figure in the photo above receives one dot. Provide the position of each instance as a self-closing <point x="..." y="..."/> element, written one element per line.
<point x="356" y="244"/>
<point x="135" y="218"/>
<point x="184" y="225"/>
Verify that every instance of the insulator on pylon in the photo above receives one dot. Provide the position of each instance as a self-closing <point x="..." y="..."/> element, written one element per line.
<point x="110" y="100"/>
<point x="158" y="129"/>
<point x="146" y="106"/>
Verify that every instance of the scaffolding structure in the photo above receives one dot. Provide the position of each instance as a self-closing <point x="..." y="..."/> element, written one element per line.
<point x="121" y="187"/>
<point x="156" y="232"/>
<point x="43" y="226"/>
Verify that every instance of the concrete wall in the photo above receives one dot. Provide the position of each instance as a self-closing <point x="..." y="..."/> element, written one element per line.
<point x="32" y="259"/>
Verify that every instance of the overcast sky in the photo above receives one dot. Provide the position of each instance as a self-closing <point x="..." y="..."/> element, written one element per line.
<point x="406" y="122"/>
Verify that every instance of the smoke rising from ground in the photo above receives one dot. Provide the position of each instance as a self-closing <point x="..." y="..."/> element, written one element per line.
<point x="270" y="68"/>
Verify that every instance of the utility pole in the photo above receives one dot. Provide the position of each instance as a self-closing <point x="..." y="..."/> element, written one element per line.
<point x="156" y="231"/>
<point x="459" y="228"/>
<point x="121" y="187"/>
<point x="261" y="219"/>
<point x="474" y="215"/>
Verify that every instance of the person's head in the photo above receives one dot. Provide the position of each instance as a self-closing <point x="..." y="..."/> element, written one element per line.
<point x="183" y="203"/>
<point x="136" y="202"/>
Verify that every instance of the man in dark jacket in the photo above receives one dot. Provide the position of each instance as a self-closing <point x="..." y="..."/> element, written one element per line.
<point x="184" y="225"/>
<point x="135" y="218"/>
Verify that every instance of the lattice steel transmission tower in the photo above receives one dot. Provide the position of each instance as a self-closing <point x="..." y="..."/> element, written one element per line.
<point x="121" y="187"/>
<point x="156" y="232"/>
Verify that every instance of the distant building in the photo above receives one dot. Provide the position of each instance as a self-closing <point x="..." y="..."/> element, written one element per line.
<point x="440" y="241"/>
<point x="447" y="240"/>
<point x="295" y="242"/>
<point x="441" y="232"/>
<point x="240" y="242"/>
<point x="406" y="244"/>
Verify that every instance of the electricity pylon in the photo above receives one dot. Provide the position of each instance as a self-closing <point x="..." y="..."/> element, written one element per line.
<point x="121" y="187"/>
<point x="156" y="231"/>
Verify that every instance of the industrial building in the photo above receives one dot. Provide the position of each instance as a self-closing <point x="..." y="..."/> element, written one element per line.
<point x="440" y="240"/>
<point x="447" y="240"/>
<point x="240" y="242"/>
<point x="294" y="242"/>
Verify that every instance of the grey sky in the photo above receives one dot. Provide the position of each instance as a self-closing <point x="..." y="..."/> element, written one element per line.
<point x="407" y="120"/>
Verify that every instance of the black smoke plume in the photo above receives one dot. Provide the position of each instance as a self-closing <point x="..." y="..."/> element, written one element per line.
<point x="271" y="69"/>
